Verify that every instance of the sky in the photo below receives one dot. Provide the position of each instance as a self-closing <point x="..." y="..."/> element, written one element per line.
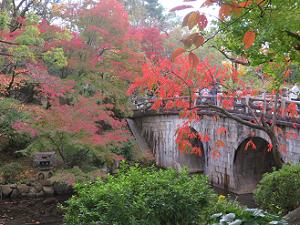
<point x="169" y="4"/>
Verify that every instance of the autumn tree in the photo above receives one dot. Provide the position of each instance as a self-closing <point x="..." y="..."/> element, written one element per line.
<point x="13" y="12"/>
<point x="82" y="76"/>
<point x="72" y="125"/>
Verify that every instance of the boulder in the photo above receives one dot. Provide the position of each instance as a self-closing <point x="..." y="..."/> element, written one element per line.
<point x="30" y="195"/>
<point x="45" y="182"/>
<point x="5" y="190"/>
<point x="13" y="186"/>
<point x="24" y="194"/>
<point x="23" y="188"/>
<point x="293" y="218"/>
<point x="48" y="190"/>
<point x="61" y="188"/>
<point x="40" y="194"/>
<point x="50" y="201"/>
<point x="33" y="190"/>
<point x="15" y="193"/>
<point x="38" y="187"/>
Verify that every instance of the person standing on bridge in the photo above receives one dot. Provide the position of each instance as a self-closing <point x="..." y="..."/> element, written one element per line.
<point x="294" y="93"/>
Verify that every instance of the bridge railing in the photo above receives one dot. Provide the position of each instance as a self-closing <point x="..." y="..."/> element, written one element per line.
<point x="246" y="105"/>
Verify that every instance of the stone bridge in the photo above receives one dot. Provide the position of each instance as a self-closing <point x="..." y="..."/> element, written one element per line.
<point x="237" y="170"/>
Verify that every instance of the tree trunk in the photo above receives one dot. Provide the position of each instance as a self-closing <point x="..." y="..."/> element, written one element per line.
<point x="275" y="150"/>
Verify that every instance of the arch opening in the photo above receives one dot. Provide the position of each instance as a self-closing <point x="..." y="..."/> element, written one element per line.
<point x="195" y="163"/>
<point x="251" y="162"/>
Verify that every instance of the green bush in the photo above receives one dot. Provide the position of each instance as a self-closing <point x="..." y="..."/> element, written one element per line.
<point x="10" y="172"/>
<point x="231" y="213"/>
<point x="279" y="191"/>
<point x="126" y="150"/>
<point x="10" y="112"/>
<point x="140" y="197"/>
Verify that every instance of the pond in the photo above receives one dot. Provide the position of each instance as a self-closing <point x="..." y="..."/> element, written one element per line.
<point x="41" y="211"/>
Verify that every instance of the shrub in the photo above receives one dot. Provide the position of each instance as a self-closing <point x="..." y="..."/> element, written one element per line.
<point x="279" y="191"/>
<point x="231" y="213"/>
<point x="10" y="172"/>
<point x="10" y="112"/>
<point x="140" y="197"/>
<point x="65" y="145"/>
<point x="126" y="150"/>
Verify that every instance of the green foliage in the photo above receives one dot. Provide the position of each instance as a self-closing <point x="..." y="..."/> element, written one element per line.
<point x="112" y="88"/>
<point x="139" y="197"/>
<point x="10" y="172"/>
<point x="4" y="20"/>
<point x="79" y="175"/>
<point x="65" y="145"/>
<point x="10" y="112"/>
<point x="231" y="213"/>
<point x="271" y="23"/>
<point x="278" y="191"/>
<point x="126" y="149"/>
<point x="22" y="54"/>
<point x="32" y="18"/>
<point x="31" y="36"/>
<point x="55" y="58"/>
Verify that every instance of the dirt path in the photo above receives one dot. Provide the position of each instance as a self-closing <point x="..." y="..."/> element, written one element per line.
<point x="31" y="211"/>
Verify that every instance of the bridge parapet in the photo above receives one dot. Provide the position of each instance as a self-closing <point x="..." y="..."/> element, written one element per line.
<point x="246" y="107"/>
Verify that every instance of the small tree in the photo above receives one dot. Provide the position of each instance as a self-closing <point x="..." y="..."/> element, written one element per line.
<point x="278" y="191"/>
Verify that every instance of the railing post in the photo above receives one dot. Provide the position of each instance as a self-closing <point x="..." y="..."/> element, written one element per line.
<point x="265" y="106"/>
<point x="247" y="103"/>
<point x="218" y="100"/>
<point x="283" y="103"/>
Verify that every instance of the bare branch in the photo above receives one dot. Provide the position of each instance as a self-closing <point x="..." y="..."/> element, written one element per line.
<point x="8" y="42"/>
<point x="234" y="60"/>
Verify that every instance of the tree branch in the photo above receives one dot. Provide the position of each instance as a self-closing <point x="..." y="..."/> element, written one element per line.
<point x="233" y="22"/>
<point x="5" y="54"/>
<point x="234" y="60"/>
<point x="230" y="115"/>
<point x="8" y="42"/>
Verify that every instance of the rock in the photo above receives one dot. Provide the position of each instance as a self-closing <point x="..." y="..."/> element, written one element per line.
<point x="31" y="195"/>
<point x="40" y="194"/>
<point x="293" y="218"/>
<point x="51" y="211"/>
<point x="23" y="188"/>
<point x="61" y="188"/>
<point x="24" y="194"/>
<point x="31" y="182"/>
<point x="46" y="182"/>
<point x="50" y="201"/>
<point x="6" y="190"/>
<point x="13" y="186"/>
<point x="38" y="187"/>
<point x="32" y="190"/>
<point x="15" y="193"/>
<point x="48" y="190"/>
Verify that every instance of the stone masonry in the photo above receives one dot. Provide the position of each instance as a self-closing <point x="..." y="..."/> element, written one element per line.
<point x="236" y="170"/>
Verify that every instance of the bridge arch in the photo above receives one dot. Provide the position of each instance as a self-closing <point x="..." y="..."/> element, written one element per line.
<point x="195" y="163"/>
<point x="251" y="162"/>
